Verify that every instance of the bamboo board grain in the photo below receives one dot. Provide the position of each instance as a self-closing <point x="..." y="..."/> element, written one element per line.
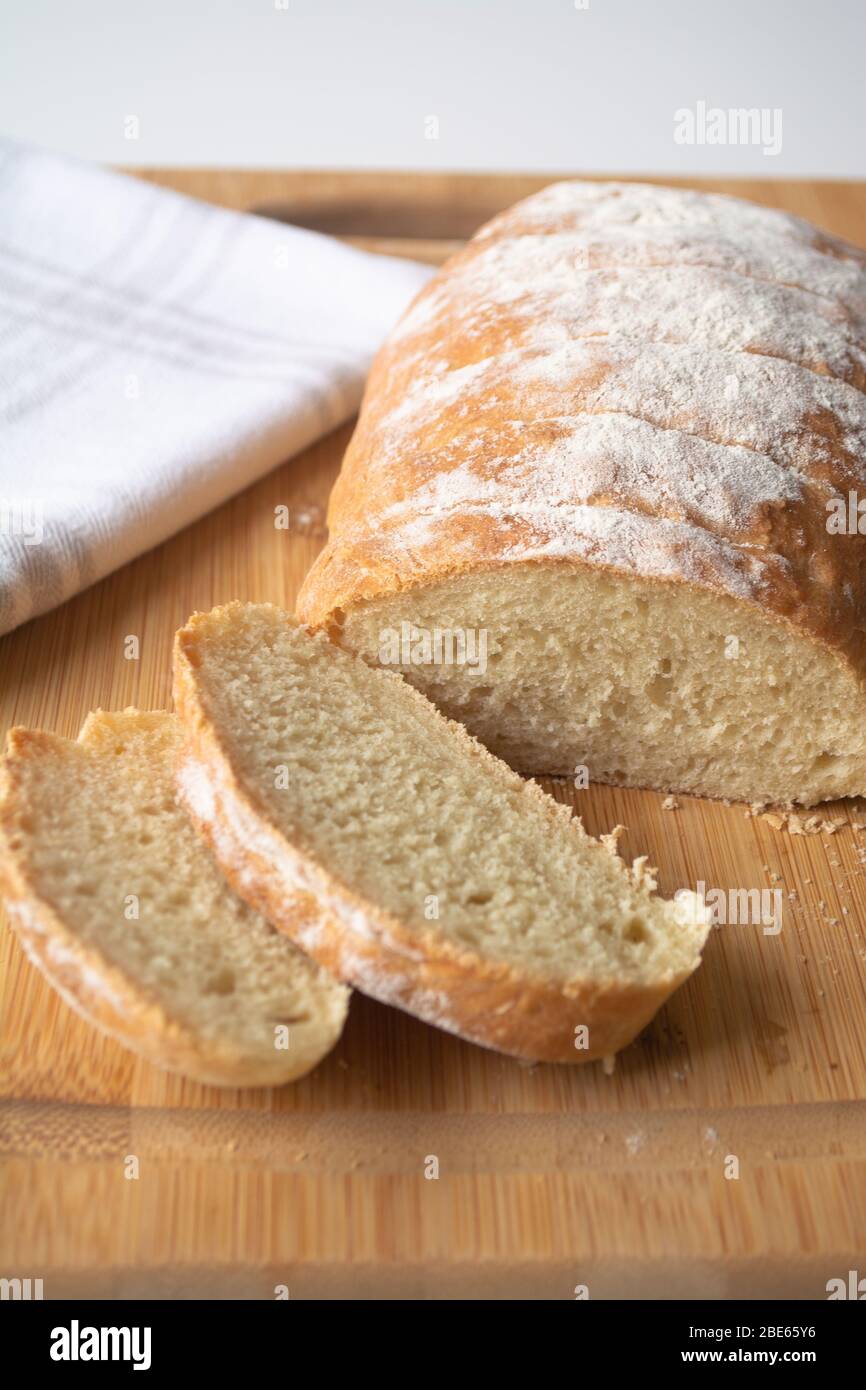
<point x="549" y="1177"/>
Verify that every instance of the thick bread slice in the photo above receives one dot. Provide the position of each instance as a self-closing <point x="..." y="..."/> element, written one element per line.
<point x="445" y="884"/>
<point x="117" y="901"/>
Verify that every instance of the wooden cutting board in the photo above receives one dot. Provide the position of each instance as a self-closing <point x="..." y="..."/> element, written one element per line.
<point x="549" y="1177"/>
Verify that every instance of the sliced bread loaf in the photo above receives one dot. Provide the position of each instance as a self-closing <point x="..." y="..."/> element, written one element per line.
<point x="620" y="439"/>
<point x="115" y="898"/>
<point x="445" y="884"/>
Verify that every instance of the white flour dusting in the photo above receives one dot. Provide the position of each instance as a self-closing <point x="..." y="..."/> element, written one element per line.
<point x="661" y="381"/>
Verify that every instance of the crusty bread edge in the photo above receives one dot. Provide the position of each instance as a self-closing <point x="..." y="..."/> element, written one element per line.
<point x="490" y="1003"/>
<point x="104" y="996"/>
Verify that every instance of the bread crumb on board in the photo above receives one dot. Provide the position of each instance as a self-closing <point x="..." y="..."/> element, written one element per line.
<point x="612" y="838"/>
<point x="670" y="803"/>
<point x="797" y="824"/>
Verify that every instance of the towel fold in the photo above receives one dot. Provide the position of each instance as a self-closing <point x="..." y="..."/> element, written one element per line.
<point x="157" y="355"/>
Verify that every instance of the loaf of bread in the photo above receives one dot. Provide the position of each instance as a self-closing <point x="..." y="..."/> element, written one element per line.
<point x="117" y="901"/>
<point x="610" y="461"/>
<point x="444" y="883"/>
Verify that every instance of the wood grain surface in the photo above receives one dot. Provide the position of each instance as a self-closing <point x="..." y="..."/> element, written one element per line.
<point x="549" y="1177"/>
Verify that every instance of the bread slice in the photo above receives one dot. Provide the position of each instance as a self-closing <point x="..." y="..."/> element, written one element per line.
<point x="117" y="901"/>
<point x="445" y="884"/>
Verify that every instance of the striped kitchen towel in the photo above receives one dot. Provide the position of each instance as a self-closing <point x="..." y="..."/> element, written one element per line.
<point x="157" y="355"/>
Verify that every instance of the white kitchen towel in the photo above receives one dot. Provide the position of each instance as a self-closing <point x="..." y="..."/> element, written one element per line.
<point x="157" y="355"/>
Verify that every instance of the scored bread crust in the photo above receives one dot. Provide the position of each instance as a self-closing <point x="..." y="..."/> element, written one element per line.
<point x="492" y="1003"/>
<point x="101" y="992"/>
<point x="697" y="447"/>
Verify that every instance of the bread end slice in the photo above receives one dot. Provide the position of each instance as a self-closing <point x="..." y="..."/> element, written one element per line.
<point x="114" y="898"/>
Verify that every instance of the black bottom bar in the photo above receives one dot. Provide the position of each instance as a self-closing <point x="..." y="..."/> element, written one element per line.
<point x="251" y="1337"/>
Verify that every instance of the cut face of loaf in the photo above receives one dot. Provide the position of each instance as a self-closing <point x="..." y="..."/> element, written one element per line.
<point x="620" y="439"/>
<point x="445" y="884"/>
<point x="117" y="901"/>
<point x="640" y="684"/>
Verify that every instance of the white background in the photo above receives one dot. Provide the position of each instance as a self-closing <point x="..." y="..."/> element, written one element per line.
<point x="514" y="84"/>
